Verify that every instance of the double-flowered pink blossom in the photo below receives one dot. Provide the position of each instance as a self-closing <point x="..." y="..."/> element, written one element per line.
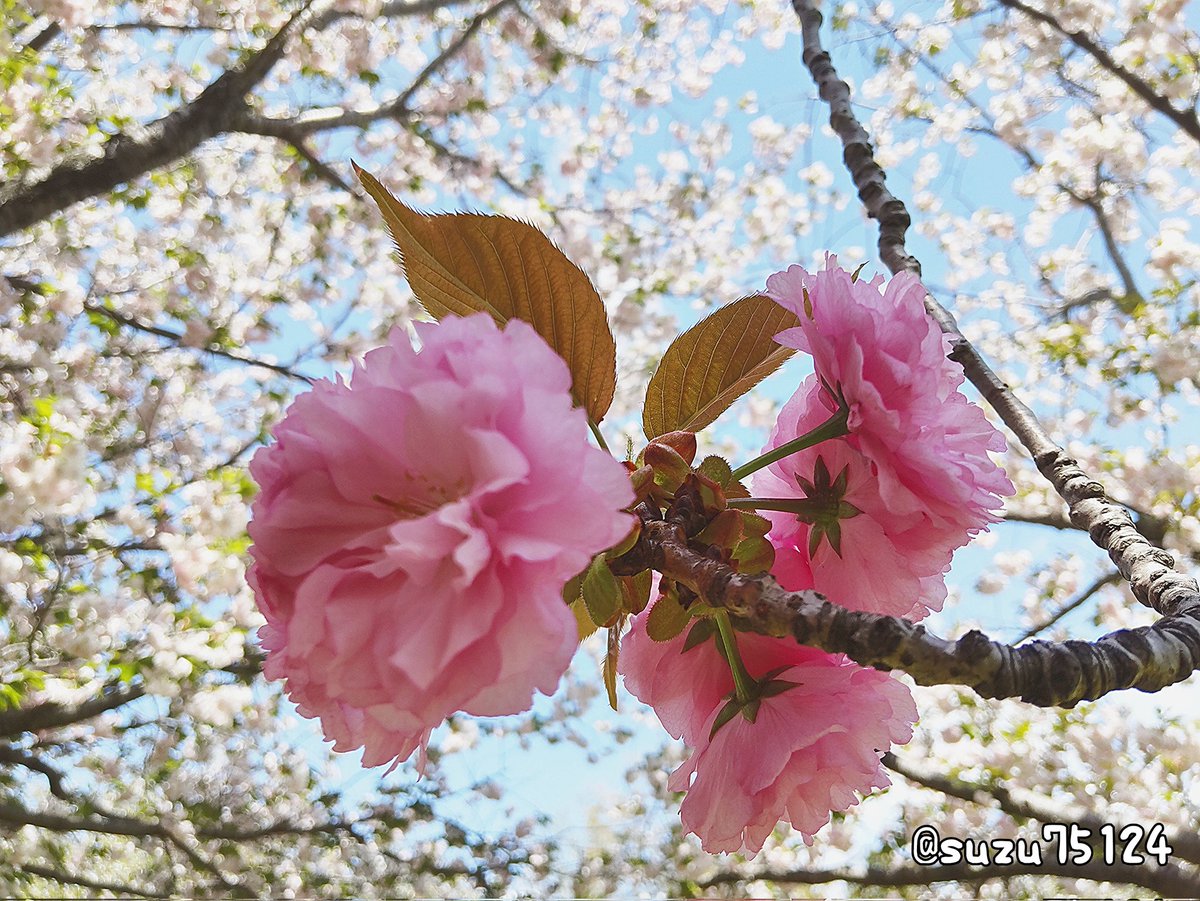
<point x="414" y="530"/>
<point x="916" y="479"/>
<point x="812" y="748"/>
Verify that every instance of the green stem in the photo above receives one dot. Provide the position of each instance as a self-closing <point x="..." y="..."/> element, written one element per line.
<point x="742" y="680"/>
<point x="834" y="427"/>
<point x="799" y="505"/>
<point x="599" y="437"/>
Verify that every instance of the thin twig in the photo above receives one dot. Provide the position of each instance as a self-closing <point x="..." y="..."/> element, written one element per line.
<point x="177" y="338"/>
<point x="1071" y="605"/>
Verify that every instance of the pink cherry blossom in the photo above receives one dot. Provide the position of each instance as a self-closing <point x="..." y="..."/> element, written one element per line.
<point x="911" y="482"/>
<point x="415" y="528"/>
<point x="811" y="749"/>
<point x="877" y="559"/>
<point x="926" y="442"/>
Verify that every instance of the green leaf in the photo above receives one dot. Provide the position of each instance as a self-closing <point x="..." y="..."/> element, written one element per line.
<point x="717" y="469"/>
<point x="700" y="633"/>
<point x="583" y="619"/>
<point x="611" y="659"/>
<point x="754" y="555"/>
<point x="463" y="263"/>
<point x="731" y="709"/>
<point x="667" y="617"/>
<point x="637" y="591"/>
<point x="714" y="363"/>
<point x="601" y="592"/>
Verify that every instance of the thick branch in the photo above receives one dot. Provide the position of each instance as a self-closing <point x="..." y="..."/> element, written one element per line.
<point x="1168" y="881"/>
<point x="1048" y="674"/>
<point x="115" y="825"/>
<point x="112" y="888"/>
<point x="1023" y="804"/>
<point x="1148" y="569"/>
<point x="1185" y="119"/>
<point x="10" y="754"/>
<point x="300" y="126"/>
<point x="129" y="155"/>
<point x="52" y="715"/>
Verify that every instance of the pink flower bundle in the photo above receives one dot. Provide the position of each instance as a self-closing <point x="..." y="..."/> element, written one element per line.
<point x="917" y="474"/>
<point x="811" y="749"/>
<point x="880" y="512"/>
<point x="415" y="528"/>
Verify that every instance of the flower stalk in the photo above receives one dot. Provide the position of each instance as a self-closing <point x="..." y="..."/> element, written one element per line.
<point x="836" y="426"/>
<point x="744" y="684"/>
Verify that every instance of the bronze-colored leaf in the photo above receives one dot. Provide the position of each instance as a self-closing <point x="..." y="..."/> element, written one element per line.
<point x="714" y="363"/>
<point x="463" y="263"/>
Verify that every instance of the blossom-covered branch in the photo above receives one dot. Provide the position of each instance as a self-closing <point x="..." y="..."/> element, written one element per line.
<point x="126" y="156"/>
<point x="1148" y="569"/>
<point x="1185" y="118"/>
<point x="400" y="109"/>
<point x="1170" y="880"/>
<point x="52" y="715"/>
<point x="1021" y="803"/>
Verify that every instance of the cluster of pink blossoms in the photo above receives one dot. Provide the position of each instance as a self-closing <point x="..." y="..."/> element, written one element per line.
<point x="414" y="530"/>
<point x="882" y="511"/>
<point x="917" y="475"/>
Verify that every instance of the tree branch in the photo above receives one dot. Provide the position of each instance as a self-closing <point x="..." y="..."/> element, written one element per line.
<point x="302" y="125"/>
<point x="52" y="715"/>
<point x="112" y="888"/>
<point x="118" y="825"/>
<point x="1168" y="881"/>
<point x="1093" y="201"/>
<point x="177" y="338"/>
<point x="1148" y="569"/>
<point x="129" y="155"/>
<point x="392" y="10"/>
<point x="11" y="754"/>
<point x="1075" y="603"/>
<point x="1047" y="674"/>
<point x="1185" y="119"/>
<point x="1023" y="804"/>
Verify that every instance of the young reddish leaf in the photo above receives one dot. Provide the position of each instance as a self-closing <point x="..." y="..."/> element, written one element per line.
<point x="667" y="617"/>
<point x="463" y="263"/>
<point x="670" y="469"/>
<point x="723" y="530"/>
<point x="714" y="363"/>
<point x="754" y="555"/>
<point x="683" y="443"/>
